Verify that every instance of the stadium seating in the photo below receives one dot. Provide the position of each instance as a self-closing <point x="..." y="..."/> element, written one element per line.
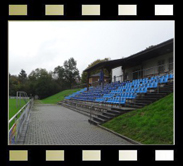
<point x="118" y="93"/>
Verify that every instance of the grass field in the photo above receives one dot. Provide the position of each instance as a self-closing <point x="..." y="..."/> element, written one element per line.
<point x="13" y="109"/>
<point x="152" y="124"/>
<point x="58" y="97"/>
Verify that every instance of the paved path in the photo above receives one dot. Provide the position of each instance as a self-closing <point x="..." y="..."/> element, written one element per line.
<point x="57" y="125"/>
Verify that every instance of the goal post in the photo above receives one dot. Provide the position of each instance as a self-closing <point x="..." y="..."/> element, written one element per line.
<point x="19" y="96"/>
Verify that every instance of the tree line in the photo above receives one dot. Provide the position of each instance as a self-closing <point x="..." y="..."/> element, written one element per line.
<point x="43" y="83"/>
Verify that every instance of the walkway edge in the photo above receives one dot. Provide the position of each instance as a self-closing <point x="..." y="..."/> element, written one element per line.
<point x="122" y="136"/>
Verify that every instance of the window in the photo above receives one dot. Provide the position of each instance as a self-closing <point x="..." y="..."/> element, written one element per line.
<point x="161" y="66"/>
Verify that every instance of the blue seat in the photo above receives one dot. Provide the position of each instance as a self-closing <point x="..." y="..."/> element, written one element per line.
<point x="122" y="100"/>
<point x="143" y="90"/>
<point x="163" y="80"/>
<point x="171" y="76"/>
<point x="155" y="84"/>
<point x="138" y="90"/>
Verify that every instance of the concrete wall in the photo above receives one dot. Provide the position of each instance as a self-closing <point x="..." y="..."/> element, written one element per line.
<point x="117" y="72"/>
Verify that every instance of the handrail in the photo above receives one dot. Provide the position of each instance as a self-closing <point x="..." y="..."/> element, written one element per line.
<point x="19" y="122"/>
<point x="19" y="111"/>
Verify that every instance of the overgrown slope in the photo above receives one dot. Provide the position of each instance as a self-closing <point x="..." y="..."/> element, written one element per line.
<point x="152" y="124"/>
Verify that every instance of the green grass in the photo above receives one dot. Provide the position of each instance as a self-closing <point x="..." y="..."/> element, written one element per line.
<point x="13" y="109"/>
<point x="58" y="97"/>
<point x="152" y="124"/>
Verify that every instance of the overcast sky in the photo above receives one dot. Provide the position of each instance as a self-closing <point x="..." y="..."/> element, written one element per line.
<point x="47" y="44"/>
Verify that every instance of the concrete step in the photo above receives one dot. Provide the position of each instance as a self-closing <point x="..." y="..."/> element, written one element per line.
<point x="93" y="122"/>
<point x="114" y="111"/>
<point x="155" y="93"/>
<point x="109" y="114"/>
<point x="133" y="105"/>
<point x="99" y="119"/>
<point x="143" y="100"/>
<point x="104" y="117"/>
<point x="140" y="104"/>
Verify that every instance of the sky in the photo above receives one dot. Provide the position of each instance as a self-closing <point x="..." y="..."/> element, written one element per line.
<point x="47" y="44"/>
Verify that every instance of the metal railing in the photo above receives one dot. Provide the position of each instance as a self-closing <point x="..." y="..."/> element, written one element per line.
<point x="18" y="121"/>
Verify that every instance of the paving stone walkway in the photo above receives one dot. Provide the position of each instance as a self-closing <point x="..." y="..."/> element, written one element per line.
<point x="57" y="125"/>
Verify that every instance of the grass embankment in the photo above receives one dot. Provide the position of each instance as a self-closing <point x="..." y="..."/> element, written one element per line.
<point x="58" y="97"/>
<point x="13" y="109"/>
<point x="152" y="124"/>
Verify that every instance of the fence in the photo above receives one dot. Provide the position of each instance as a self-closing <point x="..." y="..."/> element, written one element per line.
<point x="15" y="97"/>
<point x="18" y="121"/>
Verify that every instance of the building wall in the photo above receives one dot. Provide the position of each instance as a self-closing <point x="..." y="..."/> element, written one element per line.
<point x="149" y="67"/>
<point x="118" y="73"/>
<point x="93" y="79"/>
<point x="96" y="80"/>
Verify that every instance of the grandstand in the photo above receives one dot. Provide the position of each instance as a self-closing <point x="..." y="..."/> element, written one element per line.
<point x="142" y="78"/>
<point x="119" y="97"/>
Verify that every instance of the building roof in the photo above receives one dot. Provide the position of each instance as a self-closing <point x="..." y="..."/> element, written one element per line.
<point x="154" y="51"/>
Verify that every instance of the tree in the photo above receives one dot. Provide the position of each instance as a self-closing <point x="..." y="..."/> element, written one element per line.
<point x="14" y="85"/>
<point x="41" y="83"/>
<point x="71" y="73"/>
<point x="59" y="76"/>
<point x="22" y="76"/>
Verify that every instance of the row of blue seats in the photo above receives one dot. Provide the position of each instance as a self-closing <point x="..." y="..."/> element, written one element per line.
<point x="148" y="80"/>
<point x="108" y="95"/>
<point x="127" y="95"/>
<point x="84" y="98"/>
<point x="121" y="89"/>
<point x="137" y="90"/>
<point x="116" y="100"/>
<point x="76" y="93"/>
<point x="122" y="95"/>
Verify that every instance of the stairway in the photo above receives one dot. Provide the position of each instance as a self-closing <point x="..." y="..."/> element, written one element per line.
<point x="109" y="114"/>
<point x="139" y="102"/>
<point x="106" y="113"/>
<point x="150" y="97"/>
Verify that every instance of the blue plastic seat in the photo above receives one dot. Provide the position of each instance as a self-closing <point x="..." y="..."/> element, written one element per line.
<point x="163" y="80"/>
<point x="171" y="76"/>
<point x="122" y="100"/>
<point x="155" y="84"/>
<point x="143" y="90"/>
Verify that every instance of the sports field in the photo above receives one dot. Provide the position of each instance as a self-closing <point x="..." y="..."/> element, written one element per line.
<point x="13" y="109"/>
